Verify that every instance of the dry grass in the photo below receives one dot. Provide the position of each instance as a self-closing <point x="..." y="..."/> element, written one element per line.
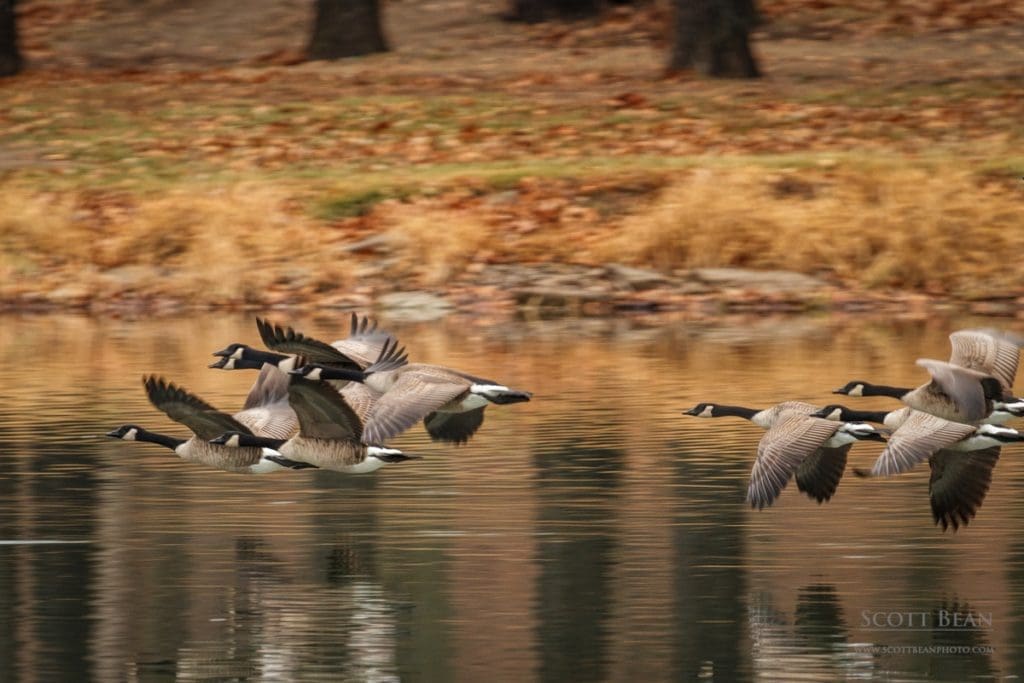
<point x="434" y="244"/>
<point x="938" y="230"/>
<point x="234" y="245"/>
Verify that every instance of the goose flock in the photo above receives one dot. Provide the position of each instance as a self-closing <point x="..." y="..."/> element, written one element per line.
<point x="334" y="406"/>
<point x="319" y="405"/>
<point x="955" y="421"/>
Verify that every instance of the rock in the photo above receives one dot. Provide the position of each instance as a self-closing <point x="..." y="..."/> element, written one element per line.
<point x="759" y="280"/>
<point x="414" y="306"/>
<point x="636" y="278"/>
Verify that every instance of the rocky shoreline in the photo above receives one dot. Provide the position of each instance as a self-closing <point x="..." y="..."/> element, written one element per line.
<point x="539" y="289"/>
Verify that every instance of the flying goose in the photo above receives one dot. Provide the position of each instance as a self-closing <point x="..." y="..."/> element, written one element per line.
<point x="266" y="411"/>
<point x="330" y="433"/>
<point x="798" y="444"/>
<point x="989" y="352"/>
<point x="955" y="393"/>
<point x="817" y="474"/>
<point x="961" y="458"/>
<point x="450" y="402"/>
<point x="959" y="479"/>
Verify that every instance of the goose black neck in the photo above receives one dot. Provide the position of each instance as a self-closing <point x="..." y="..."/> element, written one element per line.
<point x="251" y="440"/>
<point x="736" y="411"/>
<point x="162" y="439"/>
<point x="341" y="374"/>
<point x="883" y="390"/>
<point x="257" y="356"/>
<point x="851" y="415"/>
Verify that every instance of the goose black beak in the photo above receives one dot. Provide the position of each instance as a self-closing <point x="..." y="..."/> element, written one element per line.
<point x="691" y="411"/>
<point x="222" y="352"/>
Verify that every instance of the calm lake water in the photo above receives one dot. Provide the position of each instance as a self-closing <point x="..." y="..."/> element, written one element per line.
<point x="594" y="534"/>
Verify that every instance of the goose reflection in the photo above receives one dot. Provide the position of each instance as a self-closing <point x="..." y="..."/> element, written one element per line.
<point x="823" y="642"/>
<point x="277" y="624"/>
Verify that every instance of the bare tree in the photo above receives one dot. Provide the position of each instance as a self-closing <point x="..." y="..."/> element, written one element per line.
<point x="346" y="28"/>
<point x="533" y="11"/>
<point x="10" y="57"/>
<point x="713" y="37"/>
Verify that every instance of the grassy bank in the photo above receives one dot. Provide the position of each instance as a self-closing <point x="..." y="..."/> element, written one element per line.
<point x="316" y="184"/>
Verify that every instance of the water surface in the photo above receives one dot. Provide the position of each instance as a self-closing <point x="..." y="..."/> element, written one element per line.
<point x="594" y="534"/>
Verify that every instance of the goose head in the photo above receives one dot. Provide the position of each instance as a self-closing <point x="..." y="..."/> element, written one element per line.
<point x="852" y="388"/>
<point x="703" y="410"/>
<point x="125" y="432"/>
<point x="233" y="350"/>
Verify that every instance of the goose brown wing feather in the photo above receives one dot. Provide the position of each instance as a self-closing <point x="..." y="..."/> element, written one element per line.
<point x="958" y="484"/>
<point x="989" y="352"/>
<point x="959" y="387"/>
<point x="916" y="440"/>
<point x="454" y="428"/>
<point x="205" y="421"/>
<point x="287" y="340"/>
<point x="360" y="398"/>
<point x="322" y="412"/>
<point x="782" y="449"/>
<point x="364" y="342"/>
<point x="819" y="474"/>
<point x="274" y="420"/>
<point x="270" y="386"/>
<point x="412" y="397"/>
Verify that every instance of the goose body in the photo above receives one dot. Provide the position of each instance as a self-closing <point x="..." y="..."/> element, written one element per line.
<point x="811" y="449"/>
<point x="975" y="385"/>
<point x="330" y="433"/>
<point x="954" y="393"/>
<point x="197" y="450"/>
<point x="265" y="412"/>
<point x="961" y="458"/>
<point x="811" y="452"/>
<point x="450" y="403"/>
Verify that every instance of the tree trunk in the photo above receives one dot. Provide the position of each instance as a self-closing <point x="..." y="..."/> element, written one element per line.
<point x="10" y="57"/>
<point x="712" y="37"/>
<point x="346" y="28"/>
<point x="533" y="11"/>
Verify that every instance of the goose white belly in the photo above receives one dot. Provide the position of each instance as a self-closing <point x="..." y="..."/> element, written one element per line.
<point x="327" y="454"/>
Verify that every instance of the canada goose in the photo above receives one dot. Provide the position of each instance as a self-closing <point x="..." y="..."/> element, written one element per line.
<point x="330" y="433"/>
<point x="989" y="352"/>
<point x="961" y="458"/>
<point x="921" y="435"/>
<point x="817" y="474"/>
<point x="955" y="393"/>
<point x="811" y="448"/>
<point x="266" y="411"/>
<point x="450" y="403"/>
<point x="959" y="479"/>
<point x="268" y="460"/>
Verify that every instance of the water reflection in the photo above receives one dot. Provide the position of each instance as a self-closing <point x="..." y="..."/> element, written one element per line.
<point x="592" y="534"/>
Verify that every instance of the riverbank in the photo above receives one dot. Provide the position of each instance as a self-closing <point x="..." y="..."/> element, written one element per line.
<point x="512" y="171"/>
